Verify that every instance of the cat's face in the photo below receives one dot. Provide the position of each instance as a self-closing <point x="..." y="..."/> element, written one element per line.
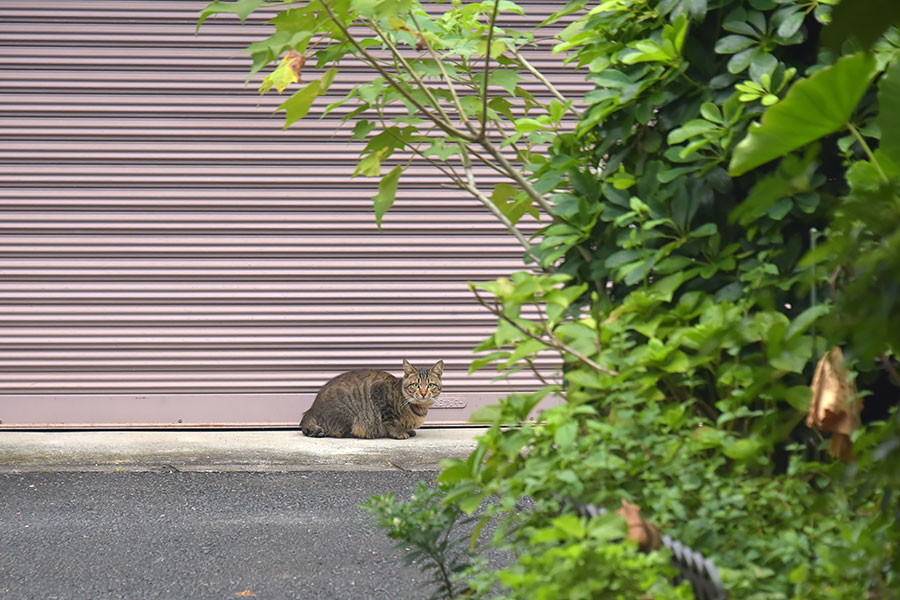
<point x="422" y="386"/>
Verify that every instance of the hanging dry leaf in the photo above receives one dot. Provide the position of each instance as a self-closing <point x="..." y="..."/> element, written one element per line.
<point x="834" y="406"/>
<point x="640" y="529"/>
<point x="296" y="62"/>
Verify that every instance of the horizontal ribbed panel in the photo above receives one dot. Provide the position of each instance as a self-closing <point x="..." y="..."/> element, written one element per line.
<point x="169" y="255"/>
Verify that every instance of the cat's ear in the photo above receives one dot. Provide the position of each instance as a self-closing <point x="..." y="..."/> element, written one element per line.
<point x="438" y="368"/>
<point x="408" y="369"/>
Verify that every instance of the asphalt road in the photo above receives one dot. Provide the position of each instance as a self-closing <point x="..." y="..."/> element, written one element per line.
<point x="194" y="535"/>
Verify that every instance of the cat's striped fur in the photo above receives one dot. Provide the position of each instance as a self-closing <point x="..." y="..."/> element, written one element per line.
<point x="373" y="404"/>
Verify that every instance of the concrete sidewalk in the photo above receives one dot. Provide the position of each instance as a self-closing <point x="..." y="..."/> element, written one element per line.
<point x="278" y="450"/>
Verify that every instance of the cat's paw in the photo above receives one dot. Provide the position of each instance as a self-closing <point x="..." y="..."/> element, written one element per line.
<point x="314" y="431"/>
<point x="401" y="435"/>
<point x="412" y="433"/>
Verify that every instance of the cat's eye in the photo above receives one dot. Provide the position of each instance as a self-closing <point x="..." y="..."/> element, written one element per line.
<point x="433" y="386"/>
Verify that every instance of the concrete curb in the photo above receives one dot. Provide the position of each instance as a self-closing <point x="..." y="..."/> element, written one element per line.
<point x="22" y="451"/>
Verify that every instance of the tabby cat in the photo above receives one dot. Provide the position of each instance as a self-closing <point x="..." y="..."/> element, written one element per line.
<point x="373" y="404"/>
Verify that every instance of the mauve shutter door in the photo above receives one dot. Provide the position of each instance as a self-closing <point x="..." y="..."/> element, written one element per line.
<point x="169" y="255"/>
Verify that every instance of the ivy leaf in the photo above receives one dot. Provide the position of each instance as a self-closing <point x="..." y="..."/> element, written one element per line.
<point x="814" y="107"/>
<point x="387" y="191"/>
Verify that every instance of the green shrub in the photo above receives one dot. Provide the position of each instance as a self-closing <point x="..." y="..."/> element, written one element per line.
<point x="724" y="211"/>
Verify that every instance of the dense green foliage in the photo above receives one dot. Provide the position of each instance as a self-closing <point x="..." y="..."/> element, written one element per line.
<point x="725" y="209"/>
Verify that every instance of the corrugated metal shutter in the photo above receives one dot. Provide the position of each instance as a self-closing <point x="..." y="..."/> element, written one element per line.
<point x="168" y="255"/>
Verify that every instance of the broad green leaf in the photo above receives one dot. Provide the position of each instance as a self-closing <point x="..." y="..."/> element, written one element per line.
<point x="806" y="319"/>
<point x="381" y="9"/>
<point x="454" y="471"/>
<point x="566" y="434"/>
<point x="889" y="113"/>
<point x="744" y="448"/>
<point x="608" y="527"/>
<point x="326" y="80"/>
<point x="857" y="19"/>
<point x="814" y="107"/>
<point x="733" y="43"/>
<point x="526" y="348"/>
<point x="689" y="130"/>
<point x="710" y="111"/>
<point x="486" y="414"/>
<point x="362" y="129"/>
<point x="798" y="396"/>
<point x="241" y="8"/>
<point x="791" y="23"/>
<point x="505" y="78"/>
<point x="299" y="104"/>
<point x="511" y="203"/>
<point x="647" y="51"/>
<point x="370" y="166"/>
<point x="469" y="504"/>
<point x="571" y="525"/>
<point x="507" y="6"/>
<point x="387" y="190"/>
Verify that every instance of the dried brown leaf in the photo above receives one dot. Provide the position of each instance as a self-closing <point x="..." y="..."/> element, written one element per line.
<point x="835" y="405"/>
<point x="640" y="529"/>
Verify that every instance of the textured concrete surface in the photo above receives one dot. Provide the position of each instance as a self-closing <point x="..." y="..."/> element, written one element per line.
<point x="226" y="451"/>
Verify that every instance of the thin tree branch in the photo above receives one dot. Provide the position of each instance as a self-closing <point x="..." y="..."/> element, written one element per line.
<point x="552" y="340"/>
<point x="534" y="370"/>
<point x="546" y="83"/>
<point x="487" y="63"/>
<point x="517" y="176"/>
<point x="446" y="127"/>
<point x="440" y="63"/>
<point x="472" y="188"/>
<point x="399" y="57"/>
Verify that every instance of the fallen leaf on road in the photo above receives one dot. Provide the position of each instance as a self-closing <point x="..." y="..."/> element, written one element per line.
<point x="246" y="594"/>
